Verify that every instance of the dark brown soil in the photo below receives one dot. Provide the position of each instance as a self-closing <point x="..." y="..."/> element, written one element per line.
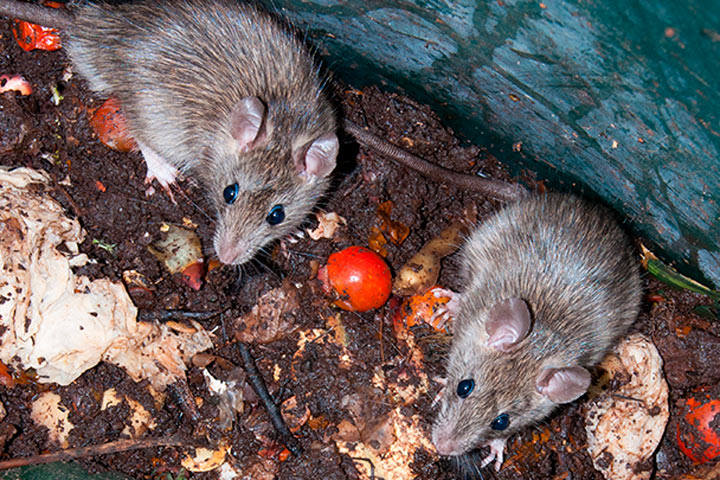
<point x="38" y="134"/>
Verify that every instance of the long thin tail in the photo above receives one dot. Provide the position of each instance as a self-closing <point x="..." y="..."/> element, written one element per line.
<point x="496" y="189"/>
<point x="49" y="17"/>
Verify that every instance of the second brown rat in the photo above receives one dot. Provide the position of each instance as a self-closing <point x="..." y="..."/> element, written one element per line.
<point x="550" y="284"/>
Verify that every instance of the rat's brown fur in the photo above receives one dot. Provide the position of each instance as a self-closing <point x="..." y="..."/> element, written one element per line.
<point x="178" y="67"/>
<point x="574" y="267"/>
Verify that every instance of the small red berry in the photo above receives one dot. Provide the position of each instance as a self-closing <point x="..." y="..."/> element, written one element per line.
<point x="359" y="276"/>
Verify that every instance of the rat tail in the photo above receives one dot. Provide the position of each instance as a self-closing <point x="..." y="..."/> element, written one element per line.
<point x="49" y="17"/>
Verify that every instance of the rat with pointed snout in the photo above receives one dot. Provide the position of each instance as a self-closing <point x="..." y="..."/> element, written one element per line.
<point x="224" y="92"/>
<point x="219" y="90"/>
<point x="550" y="284"/>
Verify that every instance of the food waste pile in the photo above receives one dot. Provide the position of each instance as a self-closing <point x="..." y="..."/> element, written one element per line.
<point x="118" y="324"/>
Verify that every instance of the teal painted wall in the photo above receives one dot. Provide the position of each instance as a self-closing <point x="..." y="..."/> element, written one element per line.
<point x="620" y="99"/>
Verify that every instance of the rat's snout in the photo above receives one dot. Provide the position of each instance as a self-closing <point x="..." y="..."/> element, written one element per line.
<point x="228" y="251"/>
<point x="444" y="442"/>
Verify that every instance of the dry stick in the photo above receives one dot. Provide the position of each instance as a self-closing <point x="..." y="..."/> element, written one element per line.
<point x="75" y="208"/>
<point x="165" y="315"/>
<point x="91" y="451"/>
<point x="496" y="189"/>
<point x="258" y="384"/>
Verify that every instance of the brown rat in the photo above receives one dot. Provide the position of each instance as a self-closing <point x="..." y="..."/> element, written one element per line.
<point x="218" y="89"/>
<point x="550" y="285"/>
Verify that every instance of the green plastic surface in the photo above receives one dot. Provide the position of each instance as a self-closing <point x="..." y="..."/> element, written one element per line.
<point x="617" y="98"/>
<point x="57" y="471"/>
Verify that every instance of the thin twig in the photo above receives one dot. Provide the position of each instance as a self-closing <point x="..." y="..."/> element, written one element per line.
<point x="180" y="393"/>
<point x="258" y="384"/>
<point x="38" y="14"/>
<point x="92" y="451"/>
<point x="164" y="315"/>
<point x="496" y="189"/>
<point x="73" y="205"/>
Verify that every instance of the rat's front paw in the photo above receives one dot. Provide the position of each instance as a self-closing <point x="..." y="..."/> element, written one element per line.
<point x="158" y="169"/>
<point x="497" y="448"/>
<point x="445" y="312"/>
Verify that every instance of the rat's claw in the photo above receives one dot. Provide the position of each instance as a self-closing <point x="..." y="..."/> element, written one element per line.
<point x="150" y="190"/>
<point x="158" y="169"/>
<point x="497" y="447"/>
<point x="295" y="237"/>
<point x="453" y="306"/>
<point x="440" y="318"/>
<point x="442" y="315"/>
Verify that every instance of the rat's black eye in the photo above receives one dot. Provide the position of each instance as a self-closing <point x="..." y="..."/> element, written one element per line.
<point x="501" y="422"/>
<point x="465" y="387"/>
<point x="276" y="215"/>
<point x="230" y="193"/>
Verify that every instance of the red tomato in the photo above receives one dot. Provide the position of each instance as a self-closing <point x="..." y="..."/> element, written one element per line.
<point x="109" y="124"/>
<point x="698" y="433"/>
<point x="359" y="276"/>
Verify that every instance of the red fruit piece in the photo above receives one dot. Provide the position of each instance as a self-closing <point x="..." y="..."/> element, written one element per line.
<point x="359" y="276"/>
<point x="5" y="377"/>
<point x="698" y="434"/>
<point x="16" y="83"/>
<point x="421" y="308"/>
<point x="193" y="274"/>
<point x="36" y="37"/>
<point x="110" y="126"/>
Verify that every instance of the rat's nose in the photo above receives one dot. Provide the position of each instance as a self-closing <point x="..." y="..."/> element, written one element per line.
<point x="228" y="251"/>
<point x="444" y="444"/>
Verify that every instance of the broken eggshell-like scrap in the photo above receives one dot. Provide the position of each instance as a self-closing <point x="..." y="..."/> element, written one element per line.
<point x="48" y="411"/>
<point x="625" y="426"/>
<point x="328" y="224"/>
<point x="38" y="250"/>
<point x="180" y="251"/>
<point x="205" y="459"/>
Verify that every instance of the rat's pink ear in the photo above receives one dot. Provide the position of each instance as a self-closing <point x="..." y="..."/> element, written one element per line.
<point x="507" y="324"/>
<point x="563" y="385"/>
<point x="246" y="120"/>
<point x="320" y="156"/>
